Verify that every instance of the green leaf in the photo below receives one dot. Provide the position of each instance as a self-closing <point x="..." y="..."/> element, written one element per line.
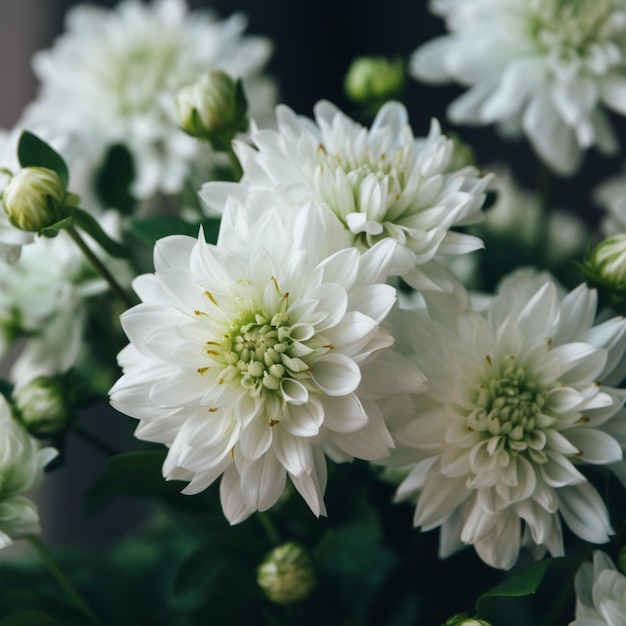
<point x="53" y="231"/>
<point x="151" y="229"/>
<point x="6" y="388"/>
<point x="90" y="225"/>
<point x="115" y="178"/>
<point x="525" y="582"/>
<point x="34" y="152"/>
<point x="29" y="618"/>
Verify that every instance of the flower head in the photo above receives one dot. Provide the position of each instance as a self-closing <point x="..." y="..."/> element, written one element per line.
<point x="21" y="470"/>
<point x="544" y="67"/>
<point x="112" y="78"/>
<point x="247" y="361"/>
<point x="600" y="593"/>
<point x="381" y="183"/>
<point x="519" y="399"/>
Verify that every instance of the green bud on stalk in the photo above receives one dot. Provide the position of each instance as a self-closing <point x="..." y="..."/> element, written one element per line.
<point x="35" y="198"/>
<point x="286" y="575"/>
<point x="213" y="108"/>
<point x="374" y="79"/>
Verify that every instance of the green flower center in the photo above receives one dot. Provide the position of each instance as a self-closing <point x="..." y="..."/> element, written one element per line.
<point x="509" y="411"/>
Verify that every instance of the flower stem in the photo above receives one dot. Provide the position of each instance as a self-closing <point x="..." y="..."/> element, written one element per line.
<point x="544" y="193"/>
<point x="94" y="441"/>
<point x="62" y="580"/>
<point x="99" y="266"/>
<point x="269" y="528"/>
<point x="235" y="165"/>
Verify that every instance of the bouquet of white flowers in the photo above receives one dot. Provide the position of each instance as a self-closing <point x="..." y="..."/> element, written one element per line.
<point x="299" y="344"/>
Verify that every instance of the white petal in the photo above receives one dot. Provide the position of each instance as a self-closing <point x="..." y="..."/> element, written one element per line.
<point x="585" y="513"/>
<point x="336" y="374"/>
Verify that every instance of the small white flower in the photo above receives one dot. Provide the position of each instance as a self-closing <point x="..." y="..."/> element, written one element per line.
<point x="543" y="67"/>
<point x="600" y="593"/>
<point x="519" y="398"/>
<point x="247" y="361"/>
<point x="381" y="183"/>
<point x="42" y="297"/>
<point x="21" y="470"/>
<point x="113" y="76"/>
<point x="611" y="196"/>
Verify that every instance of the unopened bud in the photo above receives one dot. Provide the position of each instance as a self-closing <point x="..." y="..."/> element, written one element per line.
<point x="463" y="619"/>
<point x="213" y="108"/>
<point x="34" y="199"/>
<point x="287" y="575"/>
<point x="607" y="262"/>
<point x="374" y="79"/>
<point x="42" y="406"/>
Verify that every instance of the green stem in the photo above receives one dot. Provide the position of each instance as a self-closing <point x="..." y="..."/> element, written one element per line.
<point x="100" y="267"/>
<point x="94" y="441"/>
<point x="235" y="165"/>
<point x="62" y="580"/>
<point x="269" y="528"/>
<point x="544" y="193"/>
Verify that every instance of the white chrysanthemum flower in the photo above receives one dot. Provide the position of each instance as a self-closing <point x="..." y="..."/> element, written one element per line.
<point x="600" y="593"/>
<point x="11" y="238"/>
<point x="519" y="398"/>
<point x="381" y="183"/>
<point x="42" y="297"/>
<point x="112" y="78"/>
<point x="247" y="361"/>
<point x="611" y="196"/>
<point x="542" y="67"/>
<point x="21" y="469"/>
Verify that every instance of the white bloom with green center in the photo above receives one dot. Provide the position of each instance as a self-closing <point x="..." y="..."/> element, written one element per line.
<point x="381" y="183"/>
<point x="600" y="593"/>
<point x="113" y="76"/>
<point x="247" y="361"/>
<point x="547" y="68"/>
<point x="519" y="399"/>
<point x="21" y="469"/>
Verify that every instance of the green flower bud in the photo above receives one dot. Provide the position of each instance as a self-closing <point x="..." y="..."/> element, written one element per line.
<point x="213" y="108"/>
<point x="34" y="199"/>
<point x="287" y="575"/>
<point x="463" y="619"/>
<point x="42" y="406"/>
<point x="374" y="79"/>
<point x="607" y="262"/>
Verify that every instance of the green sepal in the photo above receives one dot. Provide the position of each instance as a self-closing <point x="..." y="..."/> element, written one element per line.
<point x="53" y="231"/>
<point x="85" y="221"/>
<point x="34" y="152"/>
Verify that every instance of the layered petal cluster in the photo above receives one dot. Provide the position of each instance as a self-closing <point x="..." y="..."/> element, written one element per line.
<point x="600" y="593"/>
<point x="21" y="469"/>
<point x="520" y="398"/>
<point x="246" y="360"/>
<point x="380" y="183"/>
<point x="547" y="68"/>
<point x="113" y="76"/>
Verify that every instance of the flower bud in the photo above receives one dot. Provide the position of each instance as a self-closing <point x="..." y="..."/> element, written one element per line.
<point x="374" y="79"/>
<point x="463" y="619"/>
<point x="607" y="262"/>
<point x="34" y="199"/>
<point x="42" y="406"/>
<point x="286" y="575"/>
<point x="213" y="108"/>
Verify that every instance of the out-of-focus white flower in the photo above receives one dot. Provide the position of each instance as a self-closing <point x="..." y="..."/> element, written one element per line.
<point x="518" y="399"/>
<point x="42" y="297"/>
<point x="611" y="196"/>
<point x="112" y="78"/>
<point x="542" y="67"/>
<point x="381" y="182"/>
<point x="600" y="593"/>
<point x="247" y="361"/>
<point x="21" y="470"/>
